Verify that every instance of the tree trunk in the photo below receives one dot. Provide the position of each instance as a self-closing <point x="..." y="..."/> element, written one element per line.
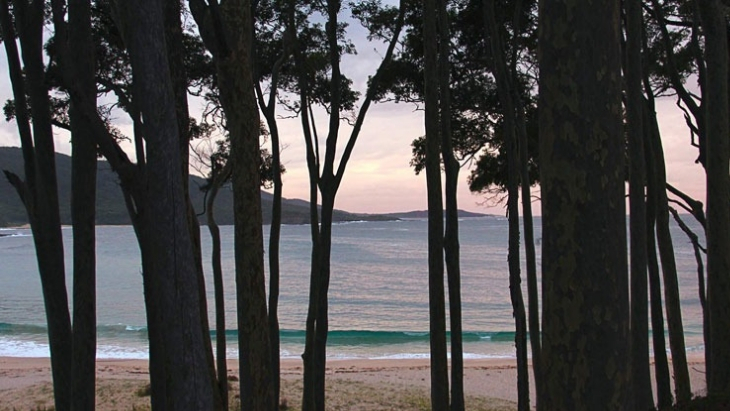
<point x="83" y="211"/>
<point x="661" y="365"/>
<point x="235" y="81"/>
<point x="530" y="258"/>
<point x="176" y="59"/>
<point x="714" y="24"/>
<point x="437" y="308"/>
<point x="585" y="280"/>
<point x="168" y="250"/>
<point x="504" y="90"/>
<point x="39" y="191"/>
<point x="669" y="270"/>
<point x="451" y="234"/>
<point x="269" y="111"/>
<point x="220" y="308"/>
<point x="641" y="378"/>
<point x="322" y="312"/>
<point x="533" y="313"/>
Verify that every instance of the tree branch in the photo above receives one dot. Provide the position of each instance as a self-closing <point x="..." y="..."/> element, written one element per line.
<point x="374" y="83"/>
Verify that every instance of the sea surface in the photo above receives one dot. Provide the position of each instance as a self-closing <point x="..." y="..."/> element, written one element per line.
<point x="378" y="293"/>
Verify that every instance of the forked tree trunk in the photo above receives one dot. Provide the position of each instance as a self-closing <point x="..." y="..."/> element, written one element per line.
<point x="451" y="234"/>
<point x="437" y="308"/>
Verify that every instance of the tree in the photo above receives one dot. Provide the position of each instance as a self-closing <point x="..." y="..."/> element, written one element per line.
<point x="664" y="392"/>
<point x="451" y="232"/>
<point x="83" y="210"/>
<point x="714" y="24"/>
<point x="38" y="191"/>
<point x="227" y="32"/>
<point x="641" y="381"/>
<point x="154" y="192"/>
<point x="585" y="284"/>
<point x="504" y="88"/>
<point x="314" y="87"/>
<point x="436" y="306"/>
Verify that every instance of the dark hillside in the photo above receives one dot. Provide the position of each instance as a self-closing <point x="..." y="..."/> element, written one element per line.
<point x="110" y="203"/>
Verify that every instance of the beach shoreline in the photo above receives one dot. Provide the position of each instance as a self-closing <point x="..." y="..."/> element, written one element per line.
<point x="25" y="382"/>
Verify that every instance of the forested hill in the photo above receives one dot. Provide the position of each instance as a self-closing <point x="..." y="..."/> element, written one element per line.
<point x="110" y="203"/>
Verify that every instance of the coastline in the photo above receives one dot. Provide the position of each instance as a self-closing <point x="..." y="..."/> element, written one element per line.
<point x="364" y="384"/>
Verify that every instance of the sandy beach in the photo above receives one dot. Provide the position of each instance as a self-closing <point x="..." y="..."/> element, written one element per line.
<point x="367" y="385"/>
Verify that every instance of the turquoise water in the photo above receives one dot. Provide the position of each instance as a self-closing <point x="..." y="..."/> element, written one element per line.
<point x="378" y="294"/>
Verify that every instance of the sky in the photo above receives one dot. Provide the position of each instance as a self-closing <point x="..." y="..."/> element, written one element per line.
<point x="378" y="178"/>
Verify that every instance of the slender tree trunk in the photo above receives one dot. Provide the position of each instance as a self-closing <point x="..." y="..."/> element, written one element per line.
<point x="714" y="23"/>
<point x="83" y="212"/>
<point x="700" y="283"/>
<point x="220" y="309"/>
<point x="669" y="270"/>
<point x="451" y="234"/>
<point x="661" y="364"/>
<point x="641" y="378"/>
<point x="437" y="309"/>
<point x="274" y="270"/>
<point x="322" y="313"/>
<point x="533" y="313"/>
<point x="504" y="89"/>
<point x="585" y="279"/>
<point x="513" y="258"/>
<point x="530" y="258"/>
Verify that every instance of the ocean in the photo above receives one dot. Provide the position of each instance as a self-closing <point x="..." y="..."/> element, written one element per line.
<point x="378" y="293"/>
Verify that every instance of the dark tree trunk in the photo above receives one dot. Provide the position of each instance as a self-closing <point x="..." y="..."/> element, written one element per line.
<point x="585" y="281"/>
<point x="533" y="313"/>
<point x="269" y="111"/>
<point x="274" y="270"/>
<point x="661" y="364"/>
<point x="436" y="304"/>
<point x="220" y="308"/>
<point x="171" y="286"/>
<point x="327" y="183"/>
<point x="669" y="271"/>
<point x="504" y="90"/>
<point x="641" y="378"/>
<point x="322" y="312"/>
<point x="39" y="191"/>
<point x="83" y="211"/>
<point x="451" y="234"/>
<point x="176" y="60"/>
<point x="715" y="93"/>
<point x="228" y="33"/>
